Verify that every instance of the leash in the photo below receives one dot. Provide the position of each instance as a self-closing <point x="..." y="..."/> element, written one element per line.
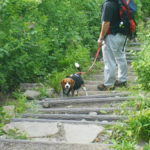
<point x="90" y="68"/>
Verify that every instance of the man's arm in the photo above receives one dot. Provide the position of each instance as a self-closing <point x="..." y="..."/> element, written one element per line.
<point x="104" y="30"/>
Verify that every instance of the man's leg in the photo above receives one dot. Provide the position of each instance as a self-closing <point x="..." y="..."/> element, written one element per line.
<point x="120" y="57"/>
<point x="109" y="63"/>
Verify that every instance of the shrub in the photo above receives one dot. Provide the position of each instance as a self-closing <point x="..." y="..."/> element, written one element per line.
<point x="142" y="64"/>
<point x="140" y="125"/>
<point x="145" y="6"/>
<point x="23" y="45"/>
<point x="137" y="128"/>
<point x="37" y="35"/>
<point x="124" y="145"/>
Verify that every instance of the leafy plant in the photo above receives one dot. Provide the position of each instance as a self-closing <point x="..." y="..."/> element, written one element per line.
<point x="147" y="147"/>
<point x="16" y="134"/>
<point x="19" y="101"/>
<point x="142" y="64"/>
<point x="140" y="125"/>
<point x="124" y="145"/>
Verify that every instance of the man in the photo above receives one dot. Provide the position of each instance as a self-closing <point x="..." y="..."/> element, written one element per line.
<point x="113" y="47"/>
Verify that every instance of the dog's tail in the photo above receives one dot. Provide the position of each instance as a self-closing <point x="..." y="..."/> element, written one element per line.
<point x="78" y="67"/>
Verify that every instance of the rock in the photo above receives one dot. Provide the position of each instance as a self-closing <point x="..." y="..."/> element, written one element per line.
<point x="31" y="94"/>
<point x="9" y="110"/>
<point x="104" y="121"/>
<point x="81" y="133"/>
<point x="70" y="106"/>
<point x="33" y="129"/>
<point x="46" y="105"/>
<point x="92" y="113"/>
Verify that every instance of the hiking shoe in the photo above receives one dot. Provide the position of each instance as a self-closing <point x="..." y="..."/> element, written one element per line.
<point x="102" y="87"/>
<point x="120" y="84"/>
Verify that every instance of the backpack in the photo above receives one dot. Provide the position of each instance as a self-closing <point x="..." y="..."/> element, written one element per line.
<point x="127" y="24"/>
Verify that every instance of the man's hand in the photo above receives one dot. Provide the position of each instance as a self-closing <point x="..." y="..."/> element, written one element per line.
<point x="100" y="42"/>
<point x="104" y="29"/>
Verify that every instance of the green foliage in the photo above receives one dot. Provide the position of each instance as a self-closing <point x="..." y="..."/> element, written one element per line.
<point x="71" y="57"/>
<point x="125" y="145"/>
<point x="3" y="119"/>
<point x="23" y="45"/>
<point x="36" y="35"/>
<point x="140" y="125"/>
<point x="16" y="134"/>
<point x="142" y="64"/>
<point x="139" y="15"/>
<point x="147" y="147"/>
<point x="122" y="133"/>
<point x="19" y="101"/>
<point x="137" y="127"/>
<point x="139" y="102"/>
<point x="145" y="7"/>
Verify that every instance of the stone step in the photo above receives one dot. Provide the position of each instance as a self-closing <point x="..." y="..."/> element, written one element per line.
<point x="128" y="61"/>
<point x="80" y="111"/>
<point x="130" y="73"/>
<point x="95" y="83"/>
<point x="92" y="93"/>
<point x="79" y="117"/>
<point x="39" y="145"/>
<point x="130" y="70"/>
<point x="129" y="54"/>
<point x="53" y="103"/>
<point x="134" y="43"/>
<point x="101" y="77"/>
<point x="131" y="57"/>
<point x="128" y="49"/>
<point x="103" y="94"/>
<point x="93" y="86"/>
<point x="100" y="123"/>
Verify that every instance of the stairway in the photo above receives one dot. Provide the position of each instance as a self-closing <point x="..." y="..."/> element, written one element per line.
<point x="74" y="123"/>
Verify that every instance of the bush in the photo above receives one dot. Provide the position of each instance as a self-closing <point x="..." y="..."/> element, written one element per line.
<point x="36" y="36"/>
<point x="142" y="64"/>
<point x="137" y="128"/>
<point x="140" y="125"/>
<point x="23" y="46"/>
<point x="124" y="145"/>
<point x="145" y="6"/>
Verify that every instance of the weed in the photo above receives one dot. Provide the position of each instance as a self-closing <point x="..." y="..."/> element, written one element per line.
<point x="20" y="103"/>
<point x="124" y="145"/>
<point x="147" y="147"/>
<point x="16" y="134"/>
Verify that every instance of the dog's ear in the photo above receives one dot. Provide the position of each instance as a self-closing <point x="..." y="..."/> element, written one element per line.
<point x="62" y="83"/>
<point x="72" y="83"/>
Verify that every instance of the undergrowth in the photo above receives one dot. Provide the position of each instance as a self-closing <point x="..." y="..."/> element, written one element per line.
<point x="20" y="106"/>
<point x="136" y="128"/>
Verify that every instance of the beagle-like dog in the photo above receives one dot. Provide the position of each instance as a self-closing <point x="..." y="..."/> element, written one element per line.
<point x="73" y="83"/>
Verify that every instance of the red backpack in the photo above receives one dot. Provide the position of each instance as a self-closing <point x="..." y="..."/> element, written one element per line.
<point x="127" y="21"/>
<point x="127" y="25"/>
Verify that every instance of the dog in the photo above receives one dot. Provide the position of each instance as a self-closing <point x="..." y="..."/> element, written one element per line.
<point x="73" y="83"/>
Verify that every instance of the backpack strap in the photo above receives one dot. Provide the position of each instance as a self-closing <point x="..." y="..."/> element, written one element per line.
<point x="128" y="1"/>
<point x="127" y="7"/>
